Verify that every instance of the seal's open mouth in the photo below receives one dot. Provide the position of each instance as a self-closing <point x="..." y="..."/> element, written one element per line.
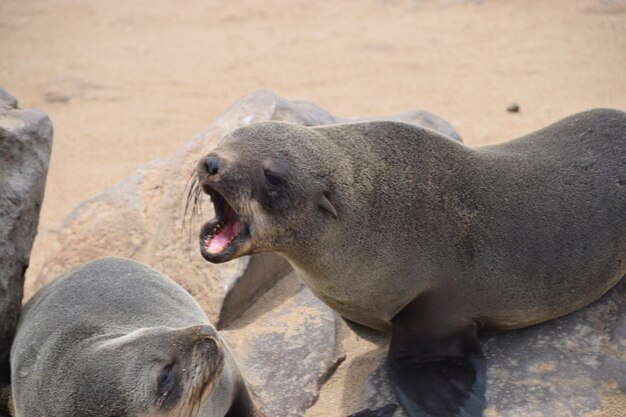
<point x="221" y="236"/>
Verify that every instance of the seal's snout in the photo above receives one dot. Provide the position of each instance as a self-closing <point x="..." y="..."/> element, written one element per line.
<point x="208" y="344"/>
<point x="211" y="164"/>
<point x="206" y="338"/>
<point x="221" y="237"/>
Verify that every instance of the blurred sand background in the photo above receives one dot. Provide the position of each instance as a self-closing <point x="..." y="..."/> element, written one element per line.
<point x="127" y="82"/>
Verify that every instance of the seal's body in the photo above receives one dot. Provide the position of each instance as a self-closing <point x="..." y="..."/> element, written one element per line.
<point x="519" y="233"/>
<point x="397" y="227"/>
<point x="116" y="338"/>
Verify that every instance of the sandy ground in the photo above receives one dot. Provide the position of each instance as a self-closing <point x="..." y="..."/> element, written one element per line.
<point x="128" y="82"/>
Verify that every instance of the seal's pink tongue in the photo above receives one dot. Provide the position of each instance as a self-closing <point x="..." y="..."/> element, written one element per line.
<point x="224" y="237"/>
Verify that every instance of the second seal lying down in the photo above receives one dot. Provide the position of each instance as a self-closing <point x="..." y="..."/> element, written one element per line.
<point x="116" y="338"/>
<point x="399" y="228"/>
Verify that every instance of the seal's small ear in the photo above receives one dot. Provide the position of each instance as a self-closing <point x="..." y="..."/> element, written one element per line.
<point x="325" y="204"/>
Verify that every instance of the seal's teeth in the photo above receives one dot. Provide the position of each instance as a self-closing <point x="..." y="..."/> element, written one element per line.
<point x="221" y="224"/>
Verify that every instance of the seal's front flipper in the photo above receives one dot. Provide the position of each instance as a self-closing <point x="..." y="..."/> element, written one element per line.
<point x="386" y="411"/>
<point x="435" y="362"/>
<point x="244" y="404"/>
<point x="5" y="393"/>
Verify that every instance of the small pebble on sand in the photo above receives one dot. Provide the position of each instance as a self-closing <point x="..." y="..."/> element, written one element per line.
<point x="513" y="108"/>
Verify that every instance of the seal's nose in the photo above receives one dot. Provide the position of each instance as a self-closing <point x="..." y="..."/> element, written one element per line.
<point x="207" y="331"/>
<point x="212" y="165"/>
<point x="208" y="340"/>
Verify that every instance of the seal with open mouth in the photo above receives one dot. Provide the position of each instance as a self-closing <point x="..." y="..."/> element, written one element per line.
<point x="399" y="228"/>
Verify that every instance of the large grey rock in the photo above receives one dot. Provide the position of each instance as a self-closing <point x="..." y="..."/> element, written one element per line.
<point x="571" y="366"/>
<point x="289" y="350"/>
<point x="417" y="117"/>
<point x="142" y="216"/>
<point x="25" y="145"/>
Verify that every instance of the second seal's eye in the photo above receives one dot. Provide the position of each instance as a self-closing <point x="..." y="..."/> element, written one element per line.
<point x="166" y="378"/>
<point x="272" y="179"/>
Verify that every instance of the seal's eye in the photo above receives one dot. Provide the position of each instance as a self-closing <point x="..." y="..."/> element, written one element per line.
<point x="272" y="179"/>
<point x="166" y="379"/>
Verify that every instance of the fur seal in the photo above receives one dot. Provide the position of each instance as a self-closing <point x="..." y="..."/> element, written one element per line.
<point x="115" y="338"/>
<point x="399" y="228"/>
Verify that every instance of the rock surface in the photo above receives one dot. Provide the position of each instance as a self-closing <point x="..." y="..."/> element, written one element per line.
<point x="25" y="145"/>
<point x="288" y="351"/>
<point x="571" y="366"/>
<point x="287" y="343"/>
<point x="418" y="117"/>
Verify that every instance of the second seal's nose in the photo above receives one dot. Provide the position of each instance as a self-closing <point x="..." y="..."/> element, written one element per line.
<point x="207" y="331"/>
<point x="212" y="165"/>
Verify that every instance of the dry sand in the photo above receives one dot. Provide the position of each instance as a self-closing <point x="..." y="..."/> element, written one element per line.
<point x="129" y="82"/>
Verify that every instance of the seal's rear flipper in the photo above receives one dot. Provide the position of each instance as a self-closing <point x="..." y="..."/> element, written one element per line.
<point x="436" y="365"/>
<point x="386" y="411"/>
